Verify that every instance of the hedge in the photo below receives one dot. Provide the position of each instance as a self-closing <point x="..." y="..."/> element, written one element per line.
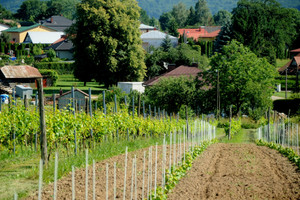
<point x="291" y="81"/>
<point x="287" y="105"/>
<point x="60" y="67"/>
<point x="51" y="74"/>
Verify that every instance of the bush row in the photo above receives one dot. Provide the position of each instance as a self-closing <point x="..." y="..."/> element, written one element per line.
<point x="60" y="67"/>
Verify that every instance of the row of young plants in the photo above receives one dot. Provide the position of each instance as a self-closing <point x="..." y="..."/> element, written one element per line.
<point x="287" y="152"/>
<point x="21" y="126"/>
<point x="177" y="172"/>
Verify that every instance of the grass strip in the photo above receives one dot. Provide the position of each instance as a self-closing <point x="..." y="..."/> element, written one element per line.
<point x="287" y="152"/>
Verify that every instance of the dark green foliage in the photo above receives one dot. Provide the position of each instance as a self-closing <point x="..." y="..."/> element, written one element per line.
<point x="166" y="44"/>
<point x="50" y="73"/>
<point x="287" y="106"/>
<point x="4" y="38"/>
<point x="222" y="17"/>
<point x="144" y="17"/>
<point x="171" y="93"/>
<point x="265" y="27"/>
<point x="173" y="27"/>
<point x="60" y="67"/>
<point x="164" y="20"/>
<point x="5" y="14"/>
<point x="223" y="38"/>
<point x="203" y="15"/>
<point x="291" y="81"/>
<point x="180" y="14"/>
<point x="51" y="54"/>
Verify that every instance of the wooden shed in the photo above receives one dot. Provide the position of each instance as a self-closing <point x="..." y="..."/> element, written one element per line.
<point x="19" y="75"/>
<point x="81" y="99"/>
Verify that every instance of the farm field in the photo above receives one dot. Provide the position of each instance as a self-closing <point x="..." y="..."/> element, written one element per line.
<point x="239" y="171"/>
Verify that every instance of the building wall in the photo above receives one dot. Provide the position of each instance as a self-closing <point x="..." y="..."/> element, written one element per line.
<point x="206" y="39"/>
<point x="20" y="37"/>
<point x="64" y="54"/>
<point x="128" y="86"/>
<point x="66" y="99"/>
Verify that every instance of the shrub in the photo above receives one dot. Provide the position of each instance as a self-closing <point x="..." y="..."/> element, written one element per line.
<point x="50" y="73"/>
<point x="236" y="127"/>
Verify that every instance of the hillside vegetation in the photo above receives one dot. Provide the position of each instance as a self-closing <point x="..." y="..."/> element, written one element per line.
<point x="156" y="7"/>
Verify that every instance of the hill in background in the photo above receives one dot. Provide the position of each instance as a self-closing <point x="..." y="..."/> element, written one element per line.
<point x="156" y="7"/>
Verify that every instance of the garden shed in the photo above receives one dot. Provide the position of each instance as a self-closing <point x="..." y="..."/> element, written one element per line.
<point x="81" y="99"/>
<point x="128" y="86"/>
<point x="19" y="75"/>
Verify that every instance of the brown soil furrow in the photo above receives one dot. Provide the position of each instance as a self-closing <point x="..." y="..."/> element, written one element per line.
<point x="239" y="171"/>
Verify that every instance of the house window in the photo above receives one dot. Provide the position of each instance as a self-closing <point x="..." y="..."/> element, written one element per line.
<point x="14" y="39"/>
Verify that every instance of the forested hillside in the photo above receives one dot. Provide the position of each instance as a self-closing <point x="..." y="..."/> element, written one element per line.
<point x="156" y="7"/>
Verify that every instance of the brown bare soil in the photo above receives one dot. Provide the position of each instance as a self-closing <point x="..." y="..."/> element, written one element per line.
<point x="64" y="186"/>
<point x="239" y="171"/>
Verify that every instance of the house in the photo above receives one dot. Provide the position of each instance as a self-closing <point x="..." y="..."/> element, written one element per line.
<point x="59" y="23"/>
<point x="145" y="28"/>
<point x="155" y="38"/>
<point x="18" y="33"/>
<point x="19" y="75"/>
<point x="81" y="99"/>
<point x="63" y="48"/>
<point x="182" y="70"/>
<point x="293" y="66"/>
<point x="42" y="37"/>
<point x="203" y="33"/>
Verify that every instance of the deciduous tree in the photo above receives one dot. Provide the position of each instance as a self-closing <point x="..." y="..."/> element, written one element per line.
<point x="107" y="42"/>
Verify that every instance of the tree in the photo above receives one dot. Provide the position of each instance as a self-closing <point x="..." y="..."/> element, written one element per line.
<point x="171" y="93"/>
<point x="191" y="19"/>
<point x="172" y="27"/>
<point x="31" y="10"/>
<point x="246" y="81"/>
<point x="203" y="15"/>
<point x="180" y="13"/>
<point x="144" y="18"/>
<point x="166" y="44"/>
<point x="224" y="37"/>
<point x="107" y="42"/>
<point x="164" y="20"/>
<point x="5" y="14"/>
<point x="222" y="17"/>
<point x="264" y="26"/>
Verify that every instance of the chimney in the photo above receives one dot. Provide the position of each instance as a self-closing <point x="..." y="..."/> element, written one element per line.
<point x="18" y="25"/>
<point x="51" y="20"/>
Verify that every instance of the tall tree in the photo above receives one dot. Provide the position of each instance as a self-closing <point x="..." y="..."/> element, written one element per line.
<point x="107" y="42"/>
<point x="164" y="19"/>
<point x="180" y="13"/>
<point x="203" y="14"/>
<point x="5" y="14"/>
<point x="224" y="37"/>
<point x="166" y="44"/>
<point x="144" y="18"/>
<point x="173" y="27"/>
<point x="31" y="10"/>
<point x="191" y="19"/>
<point x="222" y="17"/>
<point x="245" y="81"/>
<point x="264" y="26"/>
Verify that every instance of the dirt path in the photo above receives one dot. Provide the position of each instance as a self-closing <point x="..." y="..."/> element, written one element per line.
<point x="239" y="171"/>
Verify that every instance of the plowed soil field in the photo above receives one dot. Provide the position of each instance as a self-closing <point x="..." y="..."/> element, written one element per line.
<point x="239" y="171"/>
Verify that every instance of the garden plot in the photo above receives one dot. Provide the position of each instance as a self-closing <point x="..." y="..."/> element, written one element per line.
<point x="239" y="171"/>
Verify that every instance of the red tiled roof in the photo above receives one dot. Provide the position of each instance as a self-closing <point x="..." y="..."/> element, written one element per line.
<point x="63" y="37"/>
<point x="295" y="50"/>
<point x="202" y="32"/>
<point x="177" y="72"/>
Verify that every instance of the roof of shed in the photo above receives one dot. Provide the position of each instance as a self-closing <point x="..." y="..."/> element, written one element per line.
<point x="177" y="72"/>
<point x="144" y="26"/>
<point x="25" y="28"/>
<point x="295" y="50"/>
<point x="156" y="35"/>
<point x="290" y="68"/>
<point x="20" y="71"/>
<point x="44" y="37"/>
<point x="78" y="90"/>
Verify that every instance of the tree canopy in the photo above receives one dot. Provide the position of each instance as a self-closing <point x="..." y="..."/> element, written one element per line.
<point x="107" y="42"/>
<point x="222" y="17"/>
<point x="246" y="81"/>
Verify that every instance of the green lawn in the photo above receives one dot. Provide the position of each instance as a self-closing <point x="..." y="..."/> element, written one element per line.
<point x="282" y="94"/>
<point x="65" y="82"/>
<point x="244" y="136"/>
<point x="281" y="62"/>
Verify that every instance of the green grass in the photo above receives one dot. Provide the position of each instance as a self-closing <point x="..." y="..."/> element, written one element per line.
<point x="282" y="94"/>
<point x="244" y="136"/>
<point x="19" y="173"/>
<point x="281" y="62"/>
<point x="65" y="82"/>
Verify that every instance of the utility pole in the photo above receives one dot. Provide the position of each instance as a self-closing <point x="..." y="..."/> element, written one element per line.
<point x="218" y="95"/>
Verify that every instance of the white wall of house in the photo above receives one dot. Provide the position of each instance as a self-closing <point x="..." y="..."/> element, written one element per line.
<point x="128" y="86"/>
